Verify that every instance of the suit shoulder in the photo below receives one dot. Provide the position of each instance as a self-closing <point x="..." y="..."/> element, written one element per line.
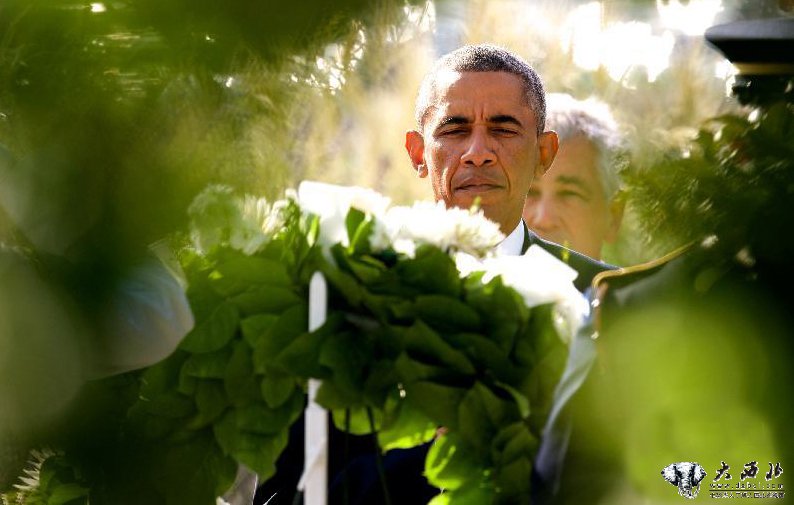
<point x="587" y="267"/>
<point x="622" y="277"/>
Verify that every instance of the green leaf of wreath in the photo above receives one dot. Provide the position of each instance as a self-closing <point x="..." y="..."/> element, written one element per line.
<point x="241" y="272"/>
<point x="438" y="402"/>
<point x="404" y="426"/>
<point x="431" y="271"/>
<point x="257" y="452"/>
<point x="214" y="332"/>
<point x="450" y="463"/>
<point x="447" y="314"/>
<point x="425" y="345"/>
<point x="285" y="330"/>
<point x="265" y="299"/>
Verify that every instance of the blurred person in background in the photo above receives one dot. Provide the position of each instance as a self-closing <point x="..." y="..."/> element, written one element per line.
<point x="577" y="202"/>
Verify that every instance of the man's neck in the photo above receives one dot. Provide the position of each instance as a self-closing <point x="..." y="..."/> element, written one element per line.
<point x="512" y="244"/>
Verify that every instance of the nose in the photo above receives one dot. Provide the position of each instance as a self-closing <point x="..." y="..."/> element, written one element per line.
<point x="540" y="215"/>
<point x="478" y="152"/>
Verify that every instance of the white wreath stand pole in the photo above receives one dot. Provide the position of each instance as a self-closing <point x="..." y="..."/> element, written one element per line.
<point x="314" y="481"/>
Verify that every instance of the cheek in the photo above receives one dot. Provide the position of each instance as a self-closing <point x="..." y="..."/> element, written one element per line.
<point x="589" y="220"/>
<point x="522" y="162"/>
<point x="440" y="166"/>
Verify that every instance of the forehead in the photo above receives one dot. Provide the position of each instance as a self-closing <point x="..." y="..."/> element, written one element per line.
<point x="475" y="93"/>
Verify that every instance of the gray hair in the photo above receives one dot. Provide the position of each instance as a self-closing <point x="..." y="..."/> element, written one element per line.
<point x="485" y="58"/>
<point x="592" y="120"/>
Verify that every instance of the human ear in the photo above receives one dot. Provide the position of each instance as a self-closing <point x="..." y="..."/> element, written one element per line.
<point x="415" y="145"/>
<point x="616" y="208"/>
<point x="548" y="143"/>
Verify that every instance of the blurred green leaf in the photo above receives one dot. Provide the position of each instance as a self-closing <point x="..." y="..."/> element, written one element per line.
<point x="277" y="388"/>
<point x="427" y="346"/>
<point x="439" y="403"/>
<point x="486" y="354"/>
<point x="501" y="309"/>
<point x="257" y="452"/>
<point x="354" y="220"/>
<point x="241" y="385"/>
<point x="358" y="422"/>
<point x="480" y="413"/>
<point x="201" y="468"/>
<point x="347" y="355"/>
<point x="512" y="481"/>
<point x="520" y="399"/>
<point x="265" y="299"/>
<point x="255" y="327"/>
<point x="445" y="279"/>
<point x="302" y="355"/>
<point x="344" y="283"/>
<point x="241" y="272"/>
<point x="163" y="376"/>
<point x="411" y="370"/>
<point x="66" y="493"/>
<point x="437" y="311"/>
<point x="404" y="427"/>
<point x="211" y="401"/>
<point x="214" y="332"/>
<point x="263" y="420"/>
<point x="449" y="464"/>
<point x="211" y="365"/>
<point x="290" y="324"/>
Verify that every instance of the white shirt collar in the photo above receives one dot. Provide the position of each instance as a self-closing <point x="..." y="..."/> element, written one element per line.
<point x="513" y="243"/>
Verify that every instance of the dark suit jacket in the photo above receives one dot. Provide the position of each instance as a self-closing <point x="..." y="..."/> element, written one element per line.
<point x="670" y="322"/>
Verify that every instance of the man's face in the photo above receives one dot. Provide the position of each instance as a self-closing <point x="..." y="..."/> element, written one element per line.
<point x="480" y="141"/>
<point x="568" y="204"/>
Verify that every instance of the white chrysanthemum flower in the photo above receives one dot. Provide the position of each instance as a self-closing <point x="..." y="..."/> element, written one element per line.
<point x="246" y="224"/>
<point x="332" y="203"/>
<point x="451" y="229"/>
<point x="467" y="264"/>
<point x="247" y="236"/>
<point x="539" y="278"/>
<point x="211" y="214"/>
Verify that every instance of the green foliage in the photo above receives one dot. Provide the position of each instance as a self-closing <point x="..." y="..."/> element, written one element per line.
<point x="49" y="479"/>
<point x="408" y="347"/>
<point x="734" y="185"/>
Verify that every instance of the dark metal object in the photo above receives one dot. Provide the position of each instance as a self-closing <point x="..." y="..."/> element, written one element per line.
<point x="763" y="52"/>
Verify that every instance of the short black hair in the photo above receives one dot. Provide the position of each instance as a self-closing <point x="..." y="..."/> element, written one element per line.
<point x="485" y="58"/>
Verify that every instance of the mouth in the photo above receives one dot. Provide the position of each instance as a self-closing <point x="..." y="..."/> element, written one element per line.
<point x="477" y="186"/>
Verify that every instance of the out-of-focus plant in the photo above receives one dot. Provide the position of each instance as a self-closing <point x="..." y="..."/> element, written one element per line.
<point x="731" y="187"/>
<point x="113" y="115"/>
<point x="705" y="336"/>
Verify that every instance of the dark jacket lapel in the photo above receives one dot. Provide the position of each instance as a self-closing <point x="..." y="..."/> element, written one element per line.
<point x="584" y="265"/>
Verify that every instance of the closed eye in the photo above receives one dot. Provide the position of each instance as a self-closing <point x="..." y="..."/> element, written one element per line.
<point x="504" y="131"/>
<point x="569" y="193"/>
<point x="448" y="132"/>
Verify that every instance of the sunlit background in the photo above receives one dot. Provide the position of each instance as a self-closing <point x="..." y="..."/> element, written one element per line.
<point x="205" y="103"/>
